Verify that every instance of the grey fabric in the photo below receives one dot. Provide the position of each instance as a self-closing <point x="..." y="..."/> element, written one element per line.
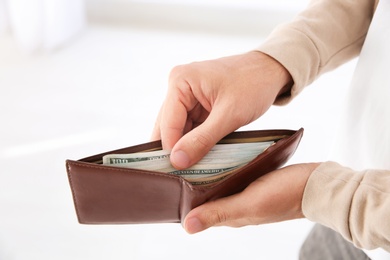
<point x="323" y="243"/>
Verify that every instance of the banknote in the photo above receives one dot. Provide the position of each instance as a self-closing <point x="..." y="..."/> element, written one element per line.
<point x="221" y="160"/>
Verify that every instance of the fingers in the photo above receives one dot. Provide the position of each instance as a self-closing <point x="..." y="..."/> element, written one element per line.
<point x="174" y="116"/>
<point x="274" y="197"/>
<point x="226" y="211"/>
<point x="198" y="142"/>
<point x="202" y="131"/>
<point x="172" y="125"/>
<point x="208" y="100"/>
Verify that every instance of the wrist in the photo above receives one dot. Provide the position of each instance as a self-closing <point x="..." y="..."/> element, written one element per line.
<point x="283" y="80"/>
<point x="306" y="170"/>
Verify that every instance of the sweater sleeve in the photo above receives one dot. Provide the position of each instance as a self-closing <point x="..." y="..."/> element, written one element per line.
<point x="355" y="204"/>
<point x="325" y="35"/>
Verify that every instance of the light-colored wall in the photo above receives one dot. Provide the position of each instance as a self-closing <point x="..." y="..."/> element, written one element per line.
<point x="228" y="17"/>
<point x="102" y="91"/>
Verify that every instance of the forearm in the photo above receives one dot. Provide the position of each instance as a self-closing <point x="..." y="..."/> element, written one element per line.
<point x="355" y="204"/>
<point x="325" y="35"/>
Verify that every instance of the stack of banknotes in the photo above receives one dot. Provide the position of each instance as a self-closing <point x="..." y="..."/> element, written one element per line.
<point x="214" y="166"/>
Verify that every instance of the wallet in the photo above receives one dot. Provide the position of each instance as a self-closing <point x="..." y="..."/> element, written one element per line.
<point x="104" y="194"/>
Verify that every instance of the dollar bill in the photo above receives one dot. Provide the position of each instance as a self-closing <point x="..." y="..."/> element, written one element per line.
<point x="136" y="157"/>
<point x="221" y="160"/>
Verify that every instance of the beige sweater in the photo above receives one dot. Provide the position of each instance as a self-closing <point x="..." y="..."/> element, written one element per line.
<point x="325" y="35"/>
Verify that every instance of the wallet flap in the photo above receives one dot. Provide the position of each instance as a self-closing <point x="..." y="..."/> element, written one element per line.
<point x="104" y="194"/>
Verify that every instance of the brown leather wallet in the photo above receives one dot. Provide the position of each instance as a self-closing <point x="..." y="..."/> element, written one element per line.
<point x="104" y="194"/>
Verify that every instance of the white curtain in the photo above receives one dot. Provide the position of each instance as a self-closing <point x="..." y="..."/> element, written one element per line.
<point x="42" y="25"/>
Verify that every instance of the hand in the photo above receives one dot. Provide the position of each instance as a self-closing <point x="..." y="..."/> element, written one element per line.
<point x="210" y="99"/>
<point x="274" y="197"/>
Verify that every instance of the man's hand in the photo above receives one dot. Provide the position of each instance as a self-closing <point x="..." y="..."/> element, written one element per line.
<point x="210" y="99"/>
<point x="274" y="197"/>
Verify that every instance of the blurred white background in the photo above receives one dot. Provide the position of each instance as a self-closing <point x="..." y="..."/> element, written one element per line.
<point x="92" y="79"/>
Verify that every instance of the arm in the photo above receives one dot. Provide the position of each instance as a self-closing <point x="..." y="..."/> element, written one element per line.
<point x="207" y="100"/>
<point x="325" y="35"/>
<point x="355" y="204"/>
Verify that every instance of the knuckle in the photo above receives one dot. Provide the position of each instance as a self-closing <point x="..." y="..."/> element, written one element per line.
<point x="178" y="72"/>
<point x="179" y="82"/>
<point x="202" y="142"/>
<point x="217" y="216"/>
<point x="175" y="71"/>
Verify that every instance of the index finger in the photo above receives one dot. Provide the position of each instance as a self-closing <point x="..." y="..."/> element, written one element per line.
<point x="172" y="124"/>
<point x="174" y="115"/>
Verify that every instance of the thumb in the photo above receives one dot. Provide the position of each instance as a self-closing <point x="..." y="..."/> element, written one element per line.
<point x="198" y="142"/>
<point x="226" y="211"/>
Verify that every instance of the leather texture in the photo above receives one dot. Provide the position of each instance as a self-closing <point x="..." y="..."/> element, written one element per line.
<point x="104" y="194"/>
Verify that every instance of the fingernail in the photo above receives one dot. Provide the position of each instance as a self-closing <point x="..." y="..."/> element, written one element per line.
<point x="193" y="225"/>
<point x="180" y="159"/>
